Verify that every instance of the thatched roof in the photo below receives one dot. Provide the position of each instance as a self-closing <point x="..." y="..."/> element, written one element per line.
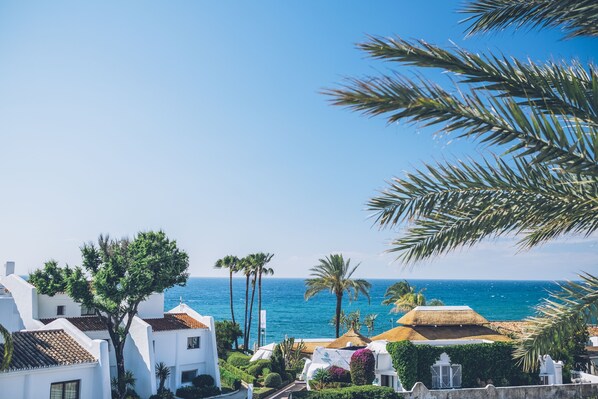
<point x="350" y="338"/>
<point x="311" y="345"/>
<point x="513" y="329"/>
<point x="442" y="316"/>
<point x="427" y="333"/>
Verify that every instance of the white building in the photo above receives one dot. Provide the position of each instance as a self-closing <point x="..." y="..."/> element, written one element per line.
<point x="181" y="338"/>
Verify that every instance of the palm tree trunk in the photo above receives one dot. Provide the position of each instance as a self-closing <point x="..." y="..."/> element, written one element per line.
<point x="259" y="310"/>
<point x="251" y="308"/>
<point x="339" y="301"/>
<point x="245" y="320"/>
<point x="232" y="310"/>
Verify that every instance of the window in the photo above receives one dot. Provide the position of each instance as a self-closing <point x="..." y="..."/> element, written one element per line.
<point x="85" y="311"/>
<point x="192" y="342"/>
<point x="188" y="376"/>
<point x="387" y="381"/>
<point x="60" y="310"/>
<point x="446" y="376"/>
<point x="65" y="390"/>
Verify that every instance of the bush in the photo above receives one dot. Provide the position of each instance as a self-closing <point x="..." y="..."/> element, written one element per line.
<point x="363" y="366"/>
<point x="353" y="392"/>
<point x="229" y="379"/>
<point x="277" y="360"/>
<point x="237" y="372"/>
<point x="238" y="359"/>
<point x="256" y="368"/>
<point x="404" y="357"/>
<point x="260" y="393"/>
<point x="226" y="333"/>
<point x="339" y="374"/>
<point x="193" y="392"/>
<point x="273" y="380"/>
<point x="165" y="394"/>
<point x="203" y="380"/>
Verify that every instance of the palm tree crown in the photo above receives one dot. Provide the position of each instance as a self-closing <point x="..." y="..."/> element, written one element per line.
<point x="333" y="274"/>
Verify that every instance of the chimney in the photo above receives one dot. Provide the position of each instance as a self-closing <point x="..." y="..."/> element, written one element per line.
<point x="9" y="268"/>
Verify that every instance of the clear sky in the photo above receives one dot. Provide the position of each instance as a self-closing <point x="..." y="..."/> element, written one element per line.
<point x="204" y="119"/>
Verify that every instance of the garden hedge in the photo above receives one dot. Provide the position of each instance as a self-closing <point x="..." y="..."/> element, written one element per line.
<point x="260" y="393"/>
<point x="229" y="379"/>
<point x="237" y="372"/>
<point x="238" y="359"/>
<point x="273" y="380"/>
<point x="353" y="392"/>
<point x="481" y="364"/>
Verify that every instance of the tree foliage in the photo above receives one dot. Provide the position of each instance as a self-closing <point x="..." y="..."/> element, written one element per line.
<point x="544" y="116"/>
<point x="115" y="277"/>
<point x="7" y="348"/>
<point x="227" y="332"/>
<point x="363" y="365"/>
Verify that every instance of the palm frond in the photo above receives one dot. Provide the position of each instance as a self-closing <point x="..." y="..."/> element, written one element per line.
<point x="575" y="17"/>
<point x="558" y="88"/>
<point x="7" y="347"/>
<point x="557" y="320"/>
<point x="448" y="206"/>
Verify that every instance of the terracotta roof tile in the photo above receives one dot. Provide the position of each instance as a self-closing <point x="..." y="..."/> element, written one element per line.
<point x="83" y="323"/>
<point x="174" y="321"/>
<point x="46" y="348"/>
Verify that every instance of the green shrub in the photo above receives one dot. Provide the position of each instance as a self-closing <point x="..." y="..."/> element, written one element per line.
<point x="164" y="394"/>
<point x="256" y="368"/>
<point x="339" y="374"/>
<point x="238" y="359"/>
<point x="203" y="380"/>
<point x="352" y="392"/>
<point x="229" y="379"/>
<point x="363" y="366"/>
<point x="404" y="360"/>
<point x="238" y="373"/>
<point x="273" y="380"/>
<point x="260" y="393"/>
<point x="192" y="392"/>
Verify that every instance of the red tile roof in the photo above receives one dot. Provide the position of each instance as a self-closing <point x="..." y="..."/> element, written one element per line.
<point x="83" y="323"/>
<point x="46" y="348"/>
<point x="174" y="321"/>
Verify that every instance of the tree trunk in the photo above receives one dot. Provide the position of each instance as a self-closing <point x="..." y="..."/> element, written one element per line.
<point x="232" y="310"/>
<point x="259" y="310"/>
<point x="339" y="301"/>
<point x="120" y="369"/>
<point x="251" y="309"/>
<point x="246" y="307"/>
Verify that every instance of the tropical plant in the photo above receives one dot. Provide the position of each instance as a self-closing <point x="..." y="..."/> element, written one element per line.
<point x="291" y="352"/>
<point x="321" y="378"/>
<point x="162" y="374"/>
<point x="7" y="348"/>
<point x="246" y="267"/>
<point x="232" y="263"/>
<point x="546" y="118"/>
<point x="117" y="275"/>
<point x="404" y="297"/>
<point x="396" y="291"/>
<point x="128" y="380"/>
<point x="227" y="332"/>
<point x="362" y="366"/>
<point x="369" y="322"/>
<point x="261" y="260"/>
<point x="334" y="274"/>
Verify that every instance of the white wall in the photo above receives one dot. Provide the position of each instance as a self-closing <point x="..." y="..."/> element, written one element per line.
<point x="9" y="314"/>
<point x="152" y="307"/>
<point x="139" y="357"/>
<point x="47" y="306"/>
<point x="35" y="384"/>
<point x="25" y="297"/>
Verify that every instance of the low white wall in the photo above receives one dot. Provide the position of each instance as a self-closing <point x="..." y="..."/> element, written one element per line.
<point x="9" y="314"/>
<point x="25" y="297"/>
<point x="139" y="357"/>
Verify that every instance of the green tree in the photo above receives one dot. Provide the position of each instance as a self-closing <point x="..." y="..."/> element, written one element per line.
<point x="543" y="186"/>
<point x="227" y="332"/>
<point x="115" y="277"/>
<point x="246" y="267"/>
<point x="7" y="348"/>
<point x="369" y="322"/>
<point x="334" y="274"/>
<point x="404" y="297"/>
<point x="232" y="263"/>
<point x="162" y="374"/>
<point x="261" y="259"/>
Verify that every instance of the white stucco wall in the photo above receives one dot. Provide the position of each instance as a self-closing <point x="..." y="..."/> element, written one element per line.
<point x="25" y="297"/>
<point x="9" y="314"/>
<point x="152" y="307"/>
<point x="35" y="384"/>
<point x="47" y="306"/>
<point x="139" y="357"/>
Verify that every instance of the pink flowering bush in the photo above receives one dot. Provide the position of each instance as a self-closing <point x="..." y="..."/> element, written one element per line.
<point x="339" y="374"/>
<point x="362" y="365"/>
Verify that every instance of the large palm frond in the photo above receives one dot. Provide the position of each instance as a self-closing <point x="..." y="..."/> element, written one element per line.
<point x="7" y="348"/>
<point x="558" y="318"/>
<point x="576" y="17"/>
<point x="395" y="291"/>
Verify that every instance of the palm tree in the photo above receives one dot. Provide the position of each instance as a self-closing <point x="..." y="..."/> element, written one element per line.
<point x="409" y="301"/>
<point x="369" y="321"/>
<point x="162" y="374"/>
<point x="546" y="117"/>
<point x="262" y="260"/>
<point x="232" y="263"/>
<point x="334" y="274"/>
<point x="246" y="267"/>
<point x="8" y="348"/>
<point x="396" y="291"/>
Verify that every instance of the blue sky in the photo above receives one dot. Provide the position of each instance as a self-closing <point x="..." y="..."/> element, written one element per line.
<point x="205" y="119"/>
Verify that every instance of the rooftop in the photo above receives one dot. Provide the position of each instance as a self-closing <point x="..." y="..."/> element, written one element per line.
<point x="442" y="316"/>
<point x="83" y="323"/>
<point x="46" y="348"/>
<point x="350" y="338"/>
<point x="174" y="321"/>
<point x="427" y="333"/>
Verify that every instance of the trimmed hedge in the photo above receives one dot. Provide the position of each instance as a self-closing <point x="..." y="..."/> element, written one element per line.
<point x="237" y="372"/>
<point x="256" y="368"/>
<point x="229" y="379"/>
<point x="481" y="364"/>
<point x="363" y="366"/>
<point x="238" y="359"/>
<point x="196" y="392"/>
<point x="273" y="380"/>
<point x="203" y="380"/>
<point x="260" y="393"/>
<point x="353" y="392"/>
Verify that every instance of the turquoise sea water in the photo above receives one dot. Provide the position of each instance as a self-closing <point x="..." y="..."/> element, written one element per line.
<point x="289" y="314"/>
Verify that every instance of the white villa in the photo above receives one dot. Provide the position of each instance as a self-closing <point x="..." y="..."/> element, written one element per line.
<point x="63" y="346"/>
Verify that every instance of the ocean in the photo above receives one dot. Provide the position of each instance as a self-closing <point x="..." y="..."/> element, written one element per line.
<point x="288" y="314"/>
